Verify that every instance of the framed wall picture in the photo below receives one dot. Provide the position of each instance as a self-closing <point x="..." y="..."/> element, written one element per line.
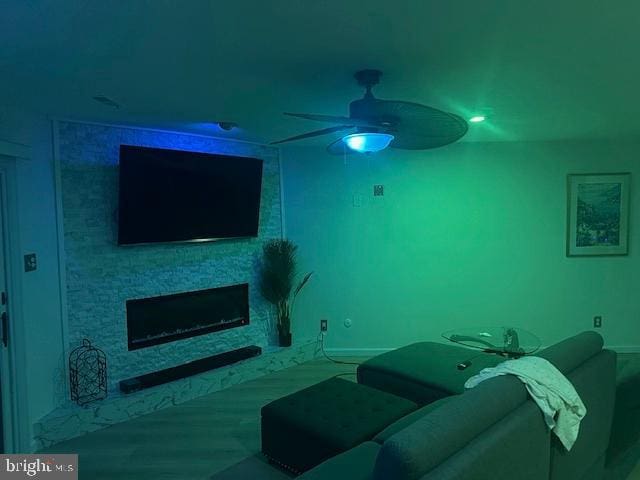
<point x="598" y="214"/>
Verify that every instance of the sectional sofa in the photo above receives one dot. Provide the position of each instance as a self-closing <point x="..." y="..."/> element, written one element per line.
<point x="493" y="431"/>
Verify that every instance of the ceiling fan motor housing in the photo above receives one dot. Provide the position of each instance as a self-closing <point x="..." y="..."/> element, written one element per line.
<point x="365" y="109"/>
<point x="361" y="108"/>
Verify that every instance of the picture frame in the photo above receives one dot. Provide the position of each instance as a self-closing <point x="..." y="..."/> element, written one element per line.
<point x="598" y="214"/>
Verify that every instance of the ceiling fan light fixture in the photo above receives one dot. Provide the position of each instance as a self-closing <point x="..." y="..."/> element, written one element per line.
<point x="367" y="142"/>
<point x="477" y="119"/>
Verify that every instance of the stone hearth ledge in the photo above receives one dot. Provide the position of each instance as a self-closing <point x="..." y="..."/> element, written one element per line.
<point x="70" y="420"/>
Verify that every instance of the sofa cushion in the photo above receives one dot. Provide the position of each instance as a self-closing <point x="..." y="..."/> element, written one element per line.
<point x="427" y="442"/>
<point x="571" y="352"/>
<point x="303" y="429"/>
<point x="424" y="371"/>
<point x="407" y="420"/>
<point x="517" y="447"/>
<point x="354" y="464"/>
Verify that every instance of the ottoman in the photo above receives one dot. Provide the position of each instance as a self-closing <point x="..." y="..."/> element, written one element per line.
<point x="304" y="429"/>
<point x="425" y="371"/>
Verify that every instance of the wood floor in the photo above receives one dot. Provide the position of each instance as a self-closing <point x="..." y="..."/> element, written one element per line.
<point x="196" y="439"/>
<point x="199" y="438"/>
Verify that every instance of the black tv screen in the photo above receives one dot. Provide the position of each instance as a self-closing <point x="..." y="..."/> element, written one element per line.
<point x="178" y="196"/>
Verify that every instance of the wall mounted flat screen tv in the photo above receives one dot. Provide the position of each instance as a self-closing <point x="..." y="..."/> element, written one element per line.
<point x="178" y="196"/>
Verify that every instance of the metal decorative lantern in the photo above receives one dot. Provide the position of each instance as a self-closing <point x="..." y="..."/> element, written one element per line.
<point x="87" y="373"/>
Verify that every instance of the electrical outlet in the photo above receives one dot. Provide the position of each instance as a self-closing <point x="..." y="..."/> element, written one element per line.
<point x="597" y="321"/>
<point x="323" y="325"/>
<point x="30" y="262"/>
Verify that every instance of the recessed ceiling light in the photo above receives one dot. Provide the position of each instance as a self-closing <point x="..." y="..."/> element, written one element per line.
<point x="477" y="119"/>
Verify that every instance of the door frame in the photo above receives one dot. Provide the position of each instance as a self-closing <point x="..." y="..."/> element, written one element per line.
<point x="17" y="432"/>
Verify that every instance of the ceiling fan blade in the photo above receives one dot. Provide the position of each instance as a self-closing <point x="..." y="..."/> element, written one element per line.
<point x="420" y="127"/>
<point x="356" y="122"/>
<point x="315" y="133"/>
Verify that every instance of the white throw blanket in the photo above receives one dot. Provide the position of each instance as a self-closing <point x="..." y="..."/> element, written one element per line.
<point x="551" y="390"/>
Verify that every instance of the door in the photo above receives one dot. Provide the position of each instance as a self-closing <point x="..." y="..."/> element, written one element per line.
<point x="5" y="400"/>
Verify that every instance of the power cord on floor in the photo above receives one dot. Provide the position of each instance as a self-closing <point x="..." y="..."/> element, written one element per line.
<point x="321" y="341"/>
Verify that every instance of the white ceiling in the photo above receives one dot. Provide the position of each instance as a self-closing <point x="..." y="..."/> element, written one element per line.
<point x="544" y="69"/>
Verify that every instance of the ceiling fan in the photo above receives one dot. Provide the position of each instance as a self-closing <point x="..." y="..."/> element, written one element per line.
<point x="376" y="124"/>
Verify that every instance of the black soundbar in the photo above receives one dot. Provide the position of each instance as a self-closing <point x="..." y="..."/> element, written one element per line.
<point x="167" y="375"/>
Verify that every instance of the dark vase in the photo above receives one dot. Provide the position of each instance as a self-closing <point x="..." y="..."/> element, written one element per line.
<point x="285" y="339"/>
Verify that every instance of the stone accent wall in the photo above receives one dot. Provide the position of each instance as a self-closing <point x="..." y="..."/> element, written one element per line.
<point x="101" y="276"/>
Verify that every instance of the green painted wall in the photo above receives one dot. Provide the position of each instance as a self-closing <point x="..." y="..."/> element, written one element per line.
<point x="470" y="234"/>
